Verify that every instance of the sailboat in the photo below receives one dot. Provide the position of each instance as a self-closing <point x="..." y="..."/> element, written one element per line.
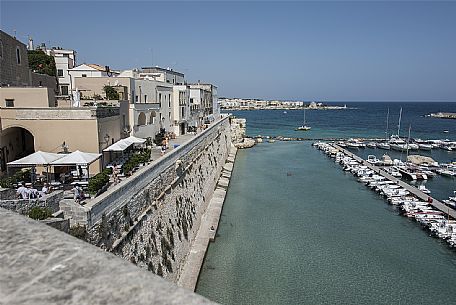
<point x="385" y="145"/>
<point x="304" y="127"/>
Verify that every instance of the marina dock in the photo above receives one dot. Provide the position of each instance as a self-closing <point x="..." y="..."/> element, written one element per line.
<point x="413" y="190"/>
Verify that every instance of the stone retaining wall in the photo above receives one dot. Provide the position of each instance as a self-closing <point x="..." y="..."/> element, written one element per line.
<point x="152" y="218"/>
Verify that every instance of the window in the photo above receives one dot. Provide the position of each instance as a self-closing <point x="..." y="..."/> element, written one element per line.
<point x="183" y="112"/>
<point x="169" y="100"/>
<point x="84" y="75"/>
<point x="145" y="98"/>
<point x="60" y="72"/>
<point x="9" y="102"/>
<point x="191" y="101"/>
<point x="136" y="99"/>
<point x="18" y="55"/>
<point x="169" y="115"/>
<point x="64" y="90"/>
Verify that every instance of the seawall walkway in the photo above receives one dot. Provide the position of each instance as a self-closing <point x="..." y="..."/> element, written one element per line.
<point x="208" y="228"/>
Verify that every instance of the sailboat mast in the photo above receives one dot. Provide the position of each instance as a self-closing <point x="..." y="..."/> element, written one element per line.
<point x="408" y="141"/>
<point x="399" y="124"/>
<point x="387" y="121"/>
<point x="304" y="117"/>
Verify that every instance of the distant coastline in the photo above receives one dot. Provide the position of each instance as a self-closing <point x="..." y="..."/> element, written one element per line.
<point x="255" y="104"/>
<point x="287" y="108"/>
<point x="443" y="115"/>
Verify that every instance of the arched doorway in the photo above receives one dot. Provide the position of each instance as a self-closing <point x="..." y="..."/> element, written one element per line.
<point x="15" y="143"/>
<point x="141" y="119"/>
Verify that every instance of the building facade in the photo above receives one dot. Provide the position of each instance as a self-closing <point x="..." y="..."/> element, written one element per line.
<point x="14" y="66"/>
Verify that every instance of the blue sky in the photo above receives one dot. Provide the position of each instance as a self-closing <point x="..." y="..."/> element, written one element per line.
<point x="330" y="51"/>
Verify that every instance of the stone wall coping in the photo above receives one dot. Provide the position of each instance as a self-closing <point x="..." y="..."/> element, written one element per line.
<point x="41" y="265"/>
<point x="109" y="201"/>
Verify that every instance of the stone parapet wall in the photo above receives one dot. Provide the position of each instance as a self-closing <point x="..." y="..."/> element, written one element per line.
<point x="82" y="113"/>
<point x="23" y="206"/>
<point x="42" y="266"/>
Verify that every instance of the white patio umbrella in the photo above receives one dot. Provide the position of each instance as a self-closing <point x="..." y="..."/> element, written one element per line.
<point x="37" y="158"/>
<point x="77" y="158"/>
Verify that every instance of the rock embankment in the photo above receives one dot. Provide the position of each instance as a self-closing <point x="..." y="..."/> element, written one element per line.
<point x="246" y="143"/>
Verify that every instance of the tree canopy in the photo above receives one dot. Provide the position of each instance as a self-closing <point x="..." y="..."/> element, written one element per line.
<point x="41" y="63"/>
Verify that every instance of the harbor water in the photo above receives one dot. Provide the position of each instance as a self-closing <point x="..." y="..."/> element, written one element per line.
<point x="296" y="229"/>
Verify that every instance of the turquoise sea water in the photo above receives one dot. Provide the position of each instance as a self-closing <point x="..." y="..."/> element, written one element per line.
<point x="296" y="229"/>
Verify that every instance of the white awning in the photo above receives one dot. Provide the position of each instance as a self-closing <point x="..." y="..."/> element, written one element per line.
<point x="37" y="158"/>
<point x="123" y="144"/>
<point x="118" y="146"/>
<point x="77" y="158"/>
<point x="134" y="140"/>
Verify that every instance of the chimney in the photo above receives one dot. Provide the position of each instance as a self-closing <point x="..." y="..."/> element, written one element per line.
<point x="30" y="43"/>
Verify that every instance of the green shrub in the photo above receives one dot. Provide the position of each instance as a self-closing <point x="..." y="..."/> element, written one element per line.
<point x="99" y="180"/>
<point x="79" y="232"/>
<point x="135" y="160"/>
<point x="19" y="176"/>
<point x="111" y="93"/>
<point x="38" y="213"/>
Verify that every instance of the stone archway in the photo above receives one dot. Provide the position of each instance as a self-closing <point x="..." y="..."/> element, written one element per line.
<point x="142" y="119"/>
<point x="15" y="143"/>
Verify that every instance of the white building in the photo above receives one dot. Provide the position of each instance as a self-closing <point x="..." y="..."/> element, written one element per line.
<point x="181" y="108"/>
<point x="162" y="75"/>
<point x="89" y="70"/>
<point x="151" y="108"/>
<point x="64" y="61"/>
<point x="206" y="97"/>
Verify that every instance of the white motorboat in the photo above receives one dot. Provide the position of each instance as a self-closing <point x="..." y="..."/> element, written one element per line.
<point x="423" y="146"/>
<point x="384" y="146"/>
<point x="423" y="188"/>
<point x="371" y="145"/>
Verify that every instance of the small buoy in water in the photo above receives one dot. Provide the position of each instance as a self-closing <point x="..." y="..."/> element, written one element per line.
<point x="445" y="131"/>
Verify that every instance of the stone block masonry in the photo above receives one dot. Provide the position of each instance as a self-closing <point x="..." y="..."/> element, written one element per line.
<point x="42" y="266"/>
<point x="152" y="218"/>
<point x="208" y="228"/>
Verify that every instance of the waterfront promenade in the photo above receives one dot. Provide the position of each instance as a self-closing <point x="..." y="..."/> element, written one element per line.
<point x="208" y="227"/>
<point x="413" y="190"/>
